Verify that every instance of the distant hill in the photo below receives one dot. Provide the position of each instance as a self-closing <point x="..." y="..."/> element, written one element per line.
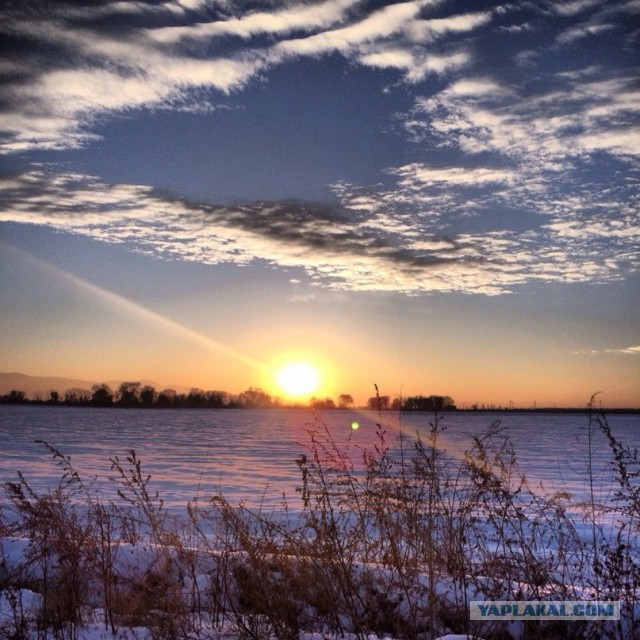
<point x="35" y="386"/>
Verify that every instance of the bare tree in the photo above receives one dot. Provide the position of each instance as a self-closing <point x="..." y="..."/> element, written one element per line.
<point x="101" y="395"/>
<point x="345" y="401"/>
<point x="252" y="398"/>
<point x="129" y="394"/>
<point x="147" y="395"/>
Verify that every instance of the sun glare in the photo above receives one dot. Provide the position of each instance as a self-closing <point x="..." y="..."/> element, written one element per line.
<point x="298" y="379"/>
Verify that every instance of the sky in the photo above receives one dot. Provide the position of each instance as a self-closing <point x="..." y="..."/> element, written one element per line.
<point x="434" y="196"/>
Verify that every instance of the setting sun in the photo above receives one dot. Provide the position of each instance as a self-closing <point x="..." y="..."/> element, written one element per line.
<point x="298" y="379"/>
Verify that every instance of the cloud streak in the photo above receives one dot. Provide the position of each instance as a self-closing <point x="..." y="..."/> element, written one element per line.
<point x="360" y="248"/>
<point x="69" y="67"/>
<point x="625" y="351"/>
<point x="66" y="68"/>
<point x="283" y="21"/>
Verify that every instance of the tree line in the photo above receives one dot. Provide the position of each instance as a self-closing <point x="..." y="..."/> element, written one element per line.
<point x="136" y="394"/>
<point x="412" y="403"/>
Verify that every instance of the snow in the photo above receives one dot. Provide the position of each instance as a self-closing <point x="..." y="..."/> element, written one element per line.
<point x="186" y="566"/>
<point x="133" y="563"/>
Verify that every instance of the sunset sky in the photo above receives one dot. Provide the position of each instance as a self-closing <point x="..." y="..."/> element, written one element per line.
<point x="435" y="196"/>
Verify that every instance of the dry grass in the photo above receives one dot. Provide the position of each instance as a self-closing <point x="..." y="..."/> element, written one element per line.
<point x="394" y="541"/>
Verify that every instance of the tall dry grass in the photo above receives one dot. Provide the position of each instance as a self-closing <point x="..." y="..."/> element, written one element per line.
<point x="393" y="540"/>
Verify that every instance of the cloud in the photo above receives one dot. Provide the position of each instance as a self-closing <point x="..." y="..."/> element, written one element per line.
<point x="328" y="245"/>
<point x="573" y="7"/>
<point x="419" y="176"/>
<point x="378" y="25"/>
<point x="566" y="178"/>
<point x="371" y="246"/>
<point x="61" y="110"/>
<point x="634" y="351"/>
<point x="627" y="351"/>
<point x="66" y="68"/>
<point x="581" y="116"/>
<point x="415" y="65"/>
<point x="301" y="17"/>
<point x="517" y="174"/>
<point x="80" y="67"/>
<point x="57" y="100"/>
<point x="394" y="37"/>
<point x="436" y="27"/>
<point x="578" y="33"/>
<point x="76" y="65"/>
<point x="548" y="170"/>
<point x="592" y="18"/>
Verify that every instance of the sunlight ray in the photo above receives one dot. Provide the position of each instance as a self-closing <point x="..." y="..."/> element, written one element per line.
<point x="134" y="310"/>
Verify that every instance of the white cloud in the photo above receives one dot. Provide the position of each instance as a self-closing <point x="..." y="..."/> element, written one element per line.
<point x="416" y="64"/>
<point x="386" y="250"/>
<point x="418" y="176"/>
<point x="422" y="30"/>
<point x="432" y="245"/>
<point x="573" y="7"/>
<point x="627" y="351"/>
<point x="532" y="147"/>
<point x="438" y="64"/>
<point x="635" y="351"/>
<point x="478" y="88"/>
<point x="65" y="103"/>
<point x="58" y="108"/>
<point x="97" y="71"/>
<point x="587" y="115"/>
<point x="379" y="25"/>
<point x="578" y="33"/>
<point x="516" y="28"/>
<point x="392" y="37"/>
<point x="297" y="17"/>
<point x="549" y="154"/>
<point x="388" y="57"/>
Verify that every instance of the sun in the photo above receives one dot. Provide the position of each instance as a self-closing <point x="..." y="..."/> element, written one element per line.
<point x="298" y="379"/>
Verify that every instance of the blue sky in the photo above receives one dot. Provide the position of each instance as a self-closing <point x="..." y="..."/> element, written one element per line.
<point x="442" y="194"/>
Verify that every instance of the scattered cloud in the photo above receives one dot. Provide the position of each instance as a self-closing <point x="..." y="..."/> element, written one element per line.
<point x="592" y="18"/>
<point x="300" y="17"/>
<point x="574" y="7"/>
<point x="419" y="176"/>
<point x="70" y="66"/>
<point x="576" y="116"/>
<point x="430" y="29"/>
<point x="508" y="181"/>
<point x="629" y="351"/>
<point x="75" y="67"/>
<point x="566" y="151"/>
<point x="54" y="103"/>
<point x="578" y="33"/>
<point x="370" y="246"/>
<point x="626" y="351"/>
<point x="380" y="24"/>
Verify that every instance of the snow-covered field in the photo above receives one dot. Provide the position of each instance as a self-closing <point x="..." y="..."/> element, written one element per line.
<point x="395" y="544"/>
<point x="242" y="453"/>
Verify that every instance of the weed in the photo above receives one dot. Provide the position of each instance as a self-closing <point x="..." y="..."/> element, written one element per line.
<point x="395" y="540"/>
